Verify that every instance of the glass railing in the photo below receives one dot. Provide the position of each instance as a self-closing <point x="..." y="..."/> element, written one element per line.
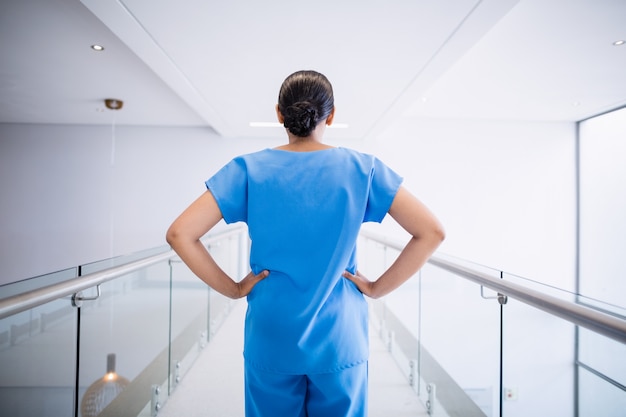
<point x="468" y="350"/>
<point x="124" y="348"/>
<point x="38" y="354"/>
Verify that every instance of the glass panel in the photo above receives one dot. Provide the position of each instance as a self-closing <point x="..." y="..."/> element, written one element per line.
<point x="557" y="351"/>
<point x="21" y="287"/>
<point x="373" y="257"/>
<point x="197" y="311"/>
<point x="226" y="253"/>
<point x="426" y="320"/>
<point x="542" y="288"/>
<point x="190" y="303"/>
<point x="599" y="398"/>
<point x="538" y="351"/>
<point x="38" y="355"/>
<point x="460" y="339"/>
<point x="121" y="260"/>
<point x="131" y="321"/>
<point x="125" y="333"/>
<point x="602" y="354"/>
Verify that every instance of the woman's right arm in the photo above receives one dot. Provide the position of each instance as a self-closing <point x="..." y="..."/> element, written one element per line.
<point x="184" y="237"/>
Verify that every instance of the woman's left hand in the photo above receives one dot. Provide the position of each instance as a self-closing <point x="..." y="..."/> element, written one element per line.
<point x="363" y="284"/>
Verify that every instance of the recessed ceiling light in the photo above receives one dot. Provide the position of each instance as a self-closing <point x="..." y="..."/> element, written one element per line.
<point x="97" y="47"/>
<point x="620" y="42"/>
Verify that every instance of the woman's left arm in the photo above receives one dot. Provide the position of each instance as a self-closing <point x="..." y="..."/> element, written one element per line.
<point x="184" y="237"/>
<point x="426" y="235"/>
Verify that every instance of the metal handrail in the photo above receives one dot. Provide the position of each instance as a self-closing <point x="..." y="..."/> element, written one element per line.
<point x="30" y="299"/>
<point x="604" y="324"/>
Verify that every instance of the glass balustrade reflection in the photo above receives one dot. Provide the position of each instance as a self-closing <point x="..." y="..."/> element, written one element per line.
<point x="130" y="320"/>
<point x="125" y="348"/>
<point x="38" y="354"/>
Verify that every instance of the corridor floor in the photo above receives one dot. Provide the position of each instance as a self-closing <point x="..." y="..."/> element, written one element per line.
<point x="213" y="387"/>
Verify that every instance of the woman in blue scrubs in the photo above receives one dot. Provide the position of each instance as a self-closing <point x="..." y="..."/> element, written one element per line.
<point x="306" y="327"/>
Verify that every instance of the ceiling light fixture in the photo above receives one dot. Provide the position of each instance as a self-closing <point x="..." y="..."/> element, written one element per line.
<point x="619" y="43"/>
<point x="113" y="103"/>
<point x="97" y="48"/>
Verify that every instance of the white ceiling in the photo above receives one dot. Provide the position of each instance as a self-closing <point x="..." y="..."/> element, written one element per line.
<point x="220" y="64"/>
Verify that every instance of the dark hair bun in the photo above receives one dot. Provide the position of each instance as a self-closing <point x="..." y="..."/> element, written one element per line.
<point x="301" y="118"/>
<point x="304" y="100"/>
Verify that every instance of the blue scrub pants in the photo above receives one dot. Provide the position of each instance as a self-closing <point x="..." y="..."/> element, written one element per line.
<point x="337" y="394"/>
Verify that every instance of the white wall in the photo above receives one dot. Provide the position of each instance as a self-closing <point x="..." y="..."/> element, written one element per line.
<point x="77" y="194"/>
<point x="505" y="191"/>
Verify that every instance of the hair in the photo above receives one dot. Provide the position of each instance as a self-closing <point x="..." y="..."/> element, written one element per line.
<point x="305" y="99"/>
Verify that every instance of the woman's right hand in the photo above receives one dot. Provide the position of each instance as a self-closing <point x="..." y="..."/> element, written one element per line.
<point x="249" y="281"/>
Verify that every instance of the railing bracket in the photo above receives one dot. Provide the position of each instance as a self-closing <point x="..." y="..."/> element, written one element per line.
<point x="413" y="374"/>
<point x="431" y="389"/>
<point x="502" y="299"/>
<point x="155" y="403"/>
<point x="78" y="298"/>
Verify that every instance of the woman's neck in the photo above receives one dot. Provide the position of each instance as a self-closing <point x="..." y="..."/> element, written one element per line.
<point x="313" y="142"/>
<point x="304" y="145"/>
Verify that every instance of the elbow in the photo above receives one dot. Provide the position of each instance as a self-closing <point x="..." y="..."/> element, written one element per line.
<point x="172" y="235"/>
<point x="440" y="234"/>
<point x="435" y="236"/>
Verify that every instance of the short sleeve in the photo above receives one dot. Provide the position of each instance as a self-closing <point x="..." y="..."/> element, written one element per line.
<point x="229" y="187"/>
<point x="384" y="184"/>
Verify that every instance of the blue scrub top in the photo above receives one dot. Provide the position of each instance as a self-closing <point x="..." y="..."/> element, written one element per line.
<point x="304" y="211"/>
